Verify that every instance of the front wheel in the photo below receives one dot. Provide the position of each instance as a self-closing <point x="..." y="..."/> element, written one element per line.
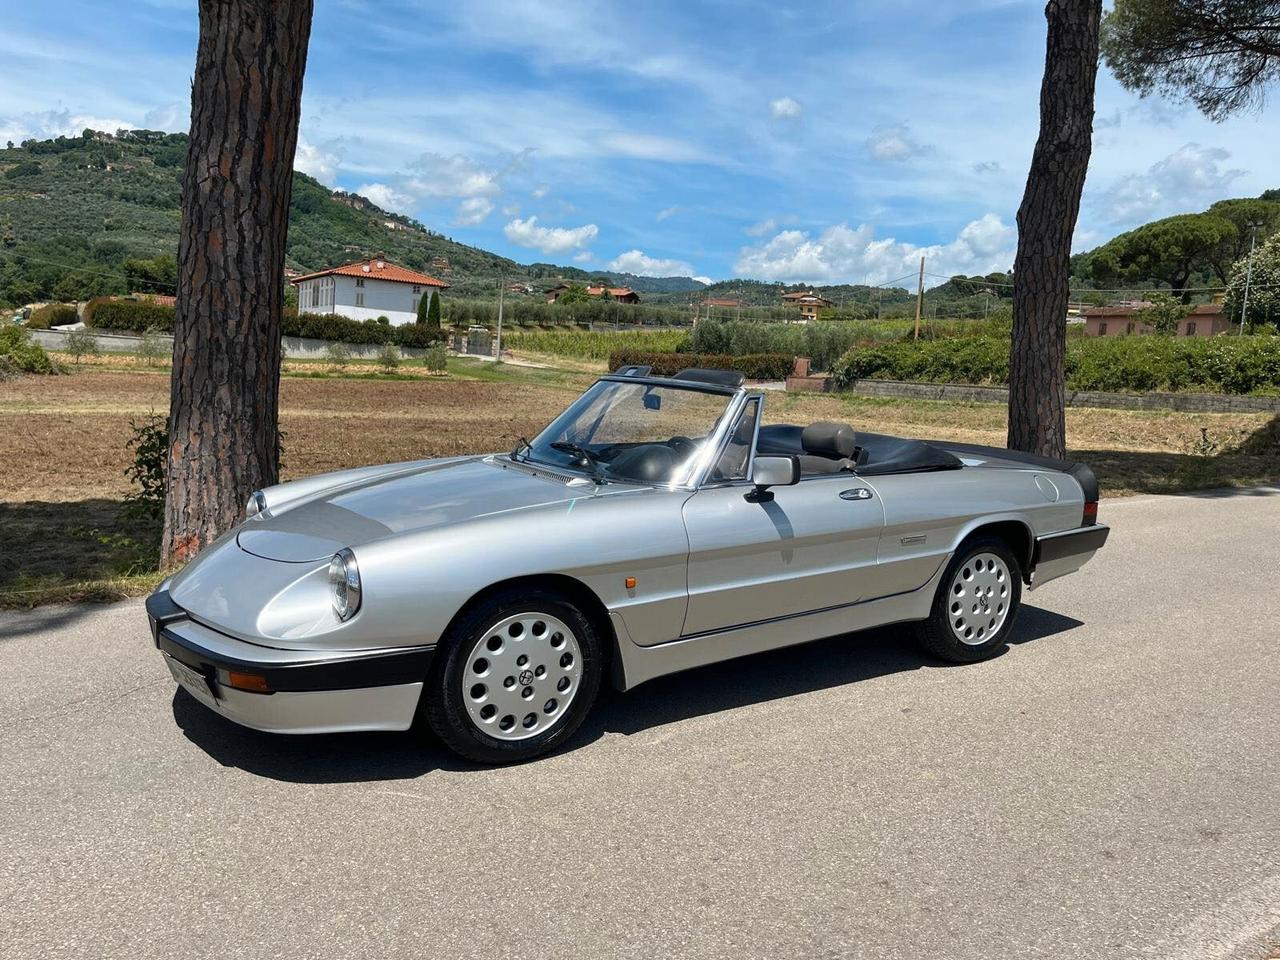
<point x="515" y="677"/>
<point x="976" y="602"/>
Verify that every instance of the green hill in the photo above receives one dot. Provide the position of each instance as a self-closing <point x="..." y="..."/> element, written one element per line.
<point x="88" y="215"/>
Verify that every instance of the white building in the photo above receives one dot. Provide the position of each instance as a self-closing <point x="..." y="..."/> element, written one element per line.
<point x="366" y="290"/>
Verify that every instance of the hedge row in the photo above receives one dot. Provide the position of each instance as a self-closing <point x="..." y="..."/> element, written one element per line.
<point x="1226" y="364"/>
<point x="51" y="315"/>
<point x="137" y="315"/>
<point x="754" y="366"/>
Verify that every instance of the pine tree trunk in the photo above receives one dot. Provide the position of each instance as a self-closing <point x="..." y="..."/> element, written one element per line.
<point x="1046" y="220"/>
<point x="224" y="396"/>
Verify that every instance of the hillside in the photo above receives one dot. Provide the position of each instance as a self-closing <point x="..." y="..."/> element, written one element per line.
<point x="78" y="213"/>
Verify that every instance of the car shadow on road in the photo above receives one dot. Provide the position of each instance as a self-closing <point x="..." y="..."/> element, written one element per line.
<point x="358" y="757"/>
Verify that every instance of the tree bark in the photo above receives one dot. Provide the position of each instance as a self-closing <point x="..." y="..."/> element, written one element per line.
<point x="224" y="396"/>
<point x="1046" y="221"/>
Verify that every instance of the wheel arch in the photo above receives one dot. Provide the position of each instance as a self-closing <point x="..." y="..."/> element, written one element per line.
<point x="1016" y="533"/>
<point x="573" y="589"/>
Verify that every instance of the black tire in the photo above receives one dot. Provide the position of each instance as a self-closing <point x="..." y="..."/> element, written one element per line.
<point x="442" y="695"/>
<point x="937" y="635"/>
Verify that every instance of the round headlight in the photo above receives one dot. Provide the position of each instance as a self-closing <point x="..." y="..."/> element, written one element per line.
<point x="344" y="584"/>
<point x="256" y="506"/>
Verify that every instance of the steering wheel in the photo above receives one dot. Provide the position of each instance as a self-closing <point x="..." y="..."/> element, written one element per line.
<point x="682" y="445"/>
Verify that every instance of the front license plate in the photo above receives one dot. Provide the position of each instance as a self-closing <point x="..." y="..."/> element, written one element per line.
<point x="191" y="681"/>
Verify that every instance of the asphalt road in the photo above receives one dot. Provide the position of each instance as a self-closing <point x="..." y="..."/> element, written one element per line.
<point x="1109" y="787"/>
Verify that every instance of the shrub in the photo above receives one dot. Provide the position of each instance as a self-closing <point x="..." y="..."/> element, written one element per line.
<point x="339" y="355"/>
<point x="103" y="313"/>
<point x="754" y="366"/>
<point x="52" y="315"/>
<point x="389" y="358"/>
<point x="149" y="471"/>
<point x="435" y="358"/>
<point x="413" y="335"/>
<point x="331" y="326"/>
<point x="152" y="347"/>
<point x="19" y="355"/>
<point x="1227" y="364"/>
<point x="384" y="320"/>
<point x="433" y="312"/>
<point x="82" y="343"/>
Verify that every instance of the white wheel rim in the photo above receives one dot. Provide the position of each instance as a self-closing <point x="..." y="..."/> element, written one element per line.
<point x="978" y="599"/>
<point x="521" y="676"/>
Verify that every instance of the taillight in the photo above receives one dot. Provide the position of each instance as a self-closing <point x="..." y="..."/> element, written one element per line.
<point x="1090" y="513"/>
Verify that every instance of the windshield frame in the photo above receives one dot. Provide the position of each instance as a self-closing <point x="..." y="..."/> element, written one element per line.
<point x="692" y="474"/>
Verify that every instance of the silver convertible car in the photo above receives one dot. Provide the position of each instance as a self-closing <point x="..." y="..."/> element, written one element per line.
<point x="657" y="524"/>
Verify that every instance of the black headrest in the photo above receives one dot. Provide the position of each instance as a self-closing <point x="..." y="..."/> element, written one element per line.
<point x="827" y="439"/>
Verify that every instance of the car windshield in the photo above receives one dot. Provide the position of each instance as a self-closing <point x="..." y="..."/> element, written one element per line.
<point x="638" y="432"/>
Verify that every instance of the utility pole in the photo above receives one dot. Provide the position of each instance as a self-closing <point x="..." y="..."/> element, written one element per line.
<point x="502" y="288"/>
<point x="919" y="298"/>
<point x="1248" y="276"/>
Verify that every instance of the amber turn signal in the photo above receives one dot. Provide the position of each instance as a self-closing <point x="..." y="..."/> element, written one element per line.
<point x="631" y="583"/>
<point x="247" y="681"/>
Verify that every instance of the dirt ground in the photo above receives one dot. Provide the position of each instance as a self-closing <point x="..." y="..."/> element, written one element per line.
<point x="64" y="438"/>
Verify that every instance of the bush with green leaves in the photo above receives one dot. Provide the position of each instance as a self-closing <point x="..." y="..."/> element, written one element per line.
<point x="389" y="358"/>
<point x="435" y="358"/>
<point x="433" y="312"/>
<point x="1224" y="364"/>
<point x="149" y="471"/>
<point x="757" y="366"/>
<point x="104" y="313"/>
<point x="52" y="315"/>
<point x="153" y="347"/>
<point x="1264" y="285"/>
<point x="81" y="343"/>
<point x="19" y="355"/>
<point x="338" y="354"/>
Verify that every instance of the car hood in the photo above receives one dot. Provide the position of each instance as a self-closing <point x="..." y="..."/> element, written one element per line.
<point x="412" y="501"/>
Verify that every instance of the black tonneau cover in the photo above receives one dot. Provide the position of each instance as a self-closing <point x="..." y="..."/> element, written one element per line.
<point x="1082" y="474"/>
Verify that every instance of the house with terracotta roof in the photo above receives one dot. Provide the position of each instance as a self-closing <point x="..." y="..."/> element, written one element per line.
<point x="1123" y="319"/>
<point x="808" y="302"/>
<point x="621" y="294"/>
<point x="366" y="290"/>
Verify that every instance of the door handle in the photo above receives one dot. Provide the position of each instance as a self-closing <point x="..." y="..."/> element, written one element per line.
<point x="856" y="493"/>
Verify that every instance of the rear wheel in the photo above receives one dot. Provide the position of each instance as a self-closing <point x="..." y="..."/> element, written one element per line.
<point x="976" y="603"/>
<point x="517" y="676"/>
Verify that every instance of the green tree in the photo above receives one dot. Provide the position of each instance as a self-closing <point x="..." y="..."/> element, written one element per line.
<point x="1264" y="285"/>
<point x="1219" y="54"/>
<point x="1165" y="313"/>
<point x="1171" y="251"/>
<point x="424" y="305"/>
<point x="576" y="293"/>
<point x="82" y="343"/>
<point x="433" y="312"/>
<point x="1244" y="214"/>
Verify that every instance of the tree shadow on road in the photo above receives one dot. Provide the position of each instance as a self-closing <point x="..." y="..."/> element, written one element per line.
<point x="806" y="668"/>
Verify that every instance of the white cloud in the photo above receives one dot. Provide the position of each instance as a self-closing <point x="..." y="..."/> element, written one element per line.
<point x="761" y="228"/>
<point x="988" y="166"/>
<point x="473" y="210"/>
<point x="705" y="281"/>
<point x="317" y="162"/>
<point x="784" y="108"/>
<point x="1190" y="178"/>
<point x="455" y="176"/>
<point x="540" y="192"/>
<point x="643" y="265"/>
<point x="894" y="144"/>
<point x="666" y="213"/>
<point x="527" y="233"/>
<point x="47" y="124"/>
<point x="649" y="146"/>
<point x="584" y="257"/>
<point x="388" y="198"/>
<point x="511" y="209"/>
<point x="172" y="117"/>
<point x="841" y="254"/>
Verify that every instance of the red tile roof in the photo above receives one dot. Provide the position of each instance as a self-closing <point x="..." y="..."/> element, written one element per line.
<point x="377" y="268"/>
<point x="1128" y="310"/>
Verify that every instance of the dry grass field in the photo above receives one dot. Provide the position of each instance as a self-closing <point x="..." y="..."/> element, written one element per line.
<point x="63" y="449"/>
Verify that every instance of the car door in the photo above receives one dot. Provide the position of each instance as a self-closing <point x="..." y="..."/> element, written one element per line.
<point x="811" y="548"/>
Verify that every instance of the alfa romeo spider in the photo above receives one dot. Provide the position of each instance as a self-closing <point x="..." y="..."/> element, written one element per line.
<point x="657" y="524"/>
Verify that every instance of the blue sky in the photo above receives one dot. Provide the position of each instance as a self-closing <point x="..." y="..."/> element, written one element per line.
<point x="821" y="141"/>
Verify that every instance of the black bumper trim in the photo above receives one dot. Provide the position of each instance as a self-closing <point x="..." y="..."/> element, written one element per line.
<point x="161" y="610"/>
<point x="382" y="669"/>
<point x="1070" y="543"/>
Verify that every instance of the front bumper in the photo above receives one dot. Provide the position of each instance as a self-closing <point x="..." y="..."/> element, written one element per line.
<point x="306" y="691"/>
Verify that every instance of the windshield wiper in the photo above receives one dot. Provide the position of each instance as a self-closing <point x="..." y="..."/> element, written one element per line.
<point x="585" y="457"/>
<point x="521" y="444"/>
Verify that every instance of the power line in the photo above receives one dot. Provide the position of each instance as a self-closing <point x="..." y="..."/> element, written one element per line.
<point x="1081" y="290"/>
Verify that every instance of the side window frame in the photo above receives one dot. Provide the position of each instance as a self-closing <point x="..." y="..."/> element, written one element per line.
<point x="708" y="481"/>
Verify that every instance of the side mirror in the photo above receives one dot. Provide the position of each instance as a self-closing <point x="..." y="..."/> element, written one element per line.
<point x="769" y="472"/>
